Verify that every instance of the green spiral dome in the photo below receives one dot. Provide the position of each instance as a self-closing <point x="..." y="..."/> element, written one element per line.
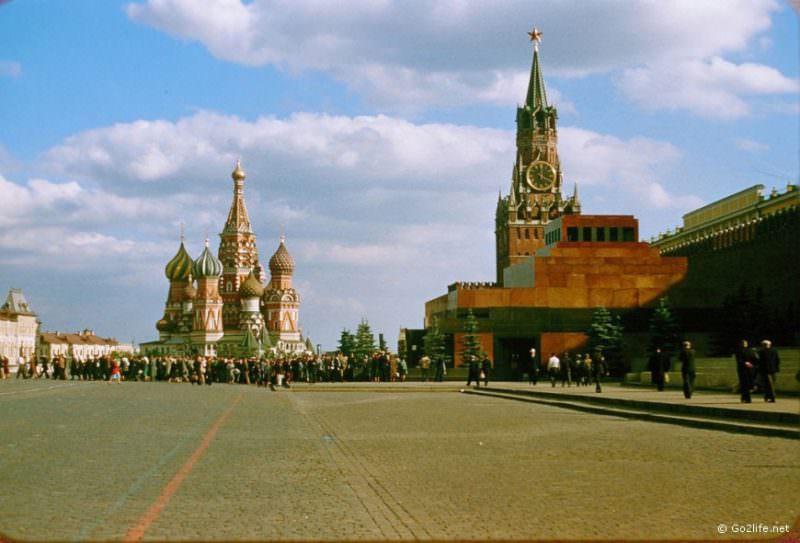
<point x="179" y="268"/>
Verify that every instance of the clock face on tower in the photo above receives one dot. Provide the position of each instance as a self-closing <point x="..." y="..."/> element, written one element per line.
<point x="540" y="175"/>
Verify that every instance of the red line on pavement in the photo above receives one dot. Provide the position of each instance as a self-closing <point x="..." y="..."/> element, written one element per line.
<point x="136" y="533"/>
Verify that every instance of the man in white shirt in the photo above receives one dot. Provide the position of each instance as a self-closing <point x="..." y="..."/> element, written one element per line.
<point x="553" y="368"/>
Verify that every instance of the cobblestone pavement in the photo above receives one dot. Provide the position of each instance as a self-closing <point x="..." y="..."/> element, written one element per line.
<point x="88" y="461"/>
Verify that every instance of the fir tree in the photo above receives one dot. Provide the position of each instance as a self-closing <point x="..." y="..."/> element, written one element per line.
<point x="470" y="345"/>
<point x="605" y="335"/>
<point x="664" y="329"/>
<point x="347" y="343"/>
<point x="382" y="343"/>
<point x="433" y="343"/>
<point x="365" y="340"/>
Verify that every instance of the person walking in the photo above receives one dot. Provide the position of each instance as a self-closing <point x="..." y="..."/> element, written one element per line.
<point x="688" y="368"/>
<point x="768" y="365"/>
<point x="533" y="373"/>
<point x="659" y="367"/>
<point x="472" y="371"/>
<point x="424" y="366"/>
<point x="402" y="369"/>
<point x="553" y="368"/>
<point x="598" y="369"/>
<point x="746" y="361"/>
<point x="441" y="370"/>
<point x="486" y="366"/>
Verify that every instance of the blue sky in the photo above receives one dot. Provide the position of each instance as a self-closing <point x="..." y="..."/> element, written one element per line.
<point x="375" y="133"/>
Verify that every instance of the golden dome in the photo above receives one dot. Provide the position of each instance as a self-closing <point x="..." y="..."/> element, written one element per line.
<point x="189" y="292"/>
<point x="238" y="173"/>
<point x="251" y="288"/>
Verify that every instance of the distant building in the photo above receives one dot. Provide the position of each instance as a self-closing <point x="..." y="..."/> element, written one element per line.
<point x="18" y="327"/>
<point x="80" y="345"/>
<point x="230" y="311"/>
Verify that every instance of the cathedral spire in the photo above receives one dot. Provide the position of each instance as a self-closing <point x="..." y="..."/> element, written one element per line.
<point x="238" y="220"/>
<point x="536" y="97"/>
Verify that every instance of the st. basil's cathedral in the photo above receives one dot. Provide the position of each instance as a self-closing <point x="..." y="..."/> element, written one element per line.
<point x="219" y="305"/>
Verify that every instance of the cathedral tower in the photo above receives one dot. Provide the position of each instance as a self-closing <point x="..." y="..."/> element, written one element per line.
<point x="535" y="196"/>
<point x="237" y="252"/>
<point x="281" y="302"/>
<point x="181" y="292"/>
<point x="207" y="323"/>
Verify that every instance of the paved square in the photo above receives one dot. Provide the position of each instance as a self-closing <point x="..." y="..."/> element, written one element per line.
<point x="83" y="461"/>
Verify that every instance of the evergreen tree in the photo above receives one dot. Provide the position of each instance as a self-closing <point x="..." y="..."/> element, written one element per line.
<point x="365" y="340"/>
<point x="382" y="343"/>
<point x="470" y="345"/>
<point x="347" y="343"/>
<point x="433" y="342"/>
<point x="664" y="330"/>
<point x="605" y="335"/>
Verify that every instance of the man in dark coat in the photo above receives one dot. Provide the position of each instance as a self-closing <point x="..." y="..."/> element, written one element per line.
<point x="688" y="368"/>
<point x="768" y="365"/>
<point x="473" y="371"/>
<point x="746" y="361"/>
<point x="659" y="366"/>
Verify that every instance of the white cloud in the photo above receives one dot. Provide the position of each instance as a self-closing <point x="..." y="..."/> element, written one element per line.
<point x="10" y="68"/>
<point x="345" y="150"/>
<point x="633" y="169"/>
<point x="750" y="146"/>
<point x="714" y="89"/>
<point x="463" y="52"/>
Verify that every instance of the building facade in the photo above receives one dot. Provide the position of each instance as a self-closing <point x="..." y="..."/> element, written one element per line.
<point x="219" y="305"/>
<point x="18" y="327"/>
<point x="82" y="346"/>
<point x="742" y="282"/>
<point x="554" y="265"/>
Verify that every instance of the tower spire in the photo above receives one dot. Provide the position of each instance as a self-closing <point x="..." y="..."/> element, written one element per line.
<point x="238" y="220"/>
<point x="536" y="97"/>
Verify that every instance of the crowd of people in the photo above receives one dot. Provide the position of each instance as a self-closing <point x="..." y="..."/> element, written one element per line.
<point x="756" y="369"/>
<point x="382" y="366"/>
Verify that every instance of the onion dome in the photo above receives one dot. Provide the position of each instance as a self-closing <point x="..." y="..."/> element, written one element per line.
<point x="238" y="173"/>
<point x="189" y="292"/>
<point x="179" y="268"/>
<point x="281" y="262"/>
<point x="251" y="288"/>
<point x="206" y="265"/>
<point x="163" y="325"/>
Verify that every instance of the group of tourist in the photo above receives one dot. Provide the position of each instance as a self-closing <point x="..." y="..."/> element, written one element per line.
<point x="755" y="369"/>
<point x="582" y="369"/>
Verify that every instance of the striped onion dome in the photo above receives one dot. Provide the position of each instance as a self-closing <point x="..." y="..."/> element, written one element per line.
<point x="251" y="288"/>
<point x="281" y="262"/>
<point x="179" y="268"/>
<point x="206" y="265"/>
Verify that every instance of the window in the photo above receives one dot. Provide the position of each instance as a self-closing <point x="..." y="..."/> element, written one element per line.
<point x="572" y="233"/>
<point x="587" y="233"/>
<point x="627" y="234"/>
<point x="614" y="233"/>
<point x="601" y="234"/>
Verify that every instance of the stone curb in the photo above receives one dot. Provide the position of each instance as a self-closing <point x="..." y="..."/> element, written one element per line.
<point x="683" y="409"/>
<point x="690" y="421"/>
